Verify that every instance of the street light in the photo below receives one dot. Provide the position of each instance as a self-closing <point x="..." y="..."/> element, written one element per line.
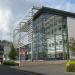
<point x="18" y="41"/>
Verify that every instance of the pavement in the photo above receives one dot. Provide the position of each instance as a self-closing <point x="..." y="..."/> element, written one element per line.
<point x="46" y="68"/>
<point x="5" y="70"/>
<point x="36" y="68"/>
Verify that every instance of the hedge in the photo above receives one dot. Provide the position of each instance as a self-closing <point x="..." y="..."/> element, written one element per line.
<point x="10" y="63"/>
<point x="70" y="66"/>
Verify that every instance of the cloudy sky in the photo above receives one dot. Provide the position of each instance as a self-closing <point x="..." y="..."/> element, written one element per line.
<point x="13" y="10"/>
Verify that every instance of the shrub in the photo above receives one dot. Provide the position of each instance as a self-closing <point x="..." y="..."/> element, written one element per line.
<point x="70" y="66"/>
<point x="10" y="63"/>
<point x="12" y="54"/>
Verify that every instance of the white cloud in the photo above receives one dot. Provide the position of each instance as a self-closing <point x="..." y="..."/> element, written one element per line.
<point x="5" y="16"/>
<point x="60" y="4"/>
<point x="5" y="19"/>
<point x="20" y="7"/>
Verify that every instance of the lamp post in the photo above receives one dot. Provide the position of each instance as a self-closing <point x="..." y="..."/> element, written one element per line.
<point x="18" y="40"/>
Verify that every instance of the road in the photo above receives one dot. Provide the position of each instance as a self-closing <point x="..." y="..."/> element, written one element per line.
<point x="4" y="70"/>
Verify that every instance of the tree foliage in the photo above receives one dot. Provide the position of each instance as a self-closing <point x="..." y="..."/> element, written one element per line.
<point x="12" y="53"/>
<point x="72" y="44"/>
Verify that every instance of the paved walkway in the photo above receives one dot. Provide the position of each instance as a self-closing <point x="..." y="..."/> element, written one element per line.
<point x="47" y="69"/>
<point x="4" y="70"/>
<point x="29" y="63"/>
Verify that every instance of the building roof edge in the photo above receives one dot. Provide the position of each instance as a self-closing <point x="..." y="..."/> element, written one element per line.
<point x="53" y="11"/>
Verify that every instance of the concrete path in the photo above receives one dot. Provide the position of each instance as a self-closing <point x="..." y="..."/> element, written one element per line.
<point x="4" y="70"/>
<point x="47" y="69"/>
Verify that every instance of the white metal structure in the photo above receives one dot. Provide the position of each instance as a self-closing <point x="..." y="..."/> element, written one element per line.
<point x="23" y="34"/>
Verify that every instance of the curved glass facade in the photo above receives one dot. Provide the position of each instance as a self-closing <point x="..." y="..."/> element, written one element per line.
<point x="50" y="37"/>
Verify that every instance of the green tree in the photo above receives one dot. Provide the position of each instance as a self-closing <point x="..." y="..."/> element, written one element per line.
<point x="72" y="44"/>
<point x="12" y="53"/>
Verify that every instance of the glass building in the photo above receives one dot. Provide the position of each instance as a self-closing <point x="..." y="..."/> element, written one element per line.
<point x="51" y="32"/>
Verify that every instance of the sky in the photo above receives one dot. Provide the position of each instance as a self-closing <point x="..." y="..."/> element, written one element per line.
<point x="11" y="11"/>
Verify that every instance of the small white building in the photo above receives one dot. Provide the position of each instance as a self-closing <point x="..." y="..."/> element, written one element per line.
<point x="6" y="46"/>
